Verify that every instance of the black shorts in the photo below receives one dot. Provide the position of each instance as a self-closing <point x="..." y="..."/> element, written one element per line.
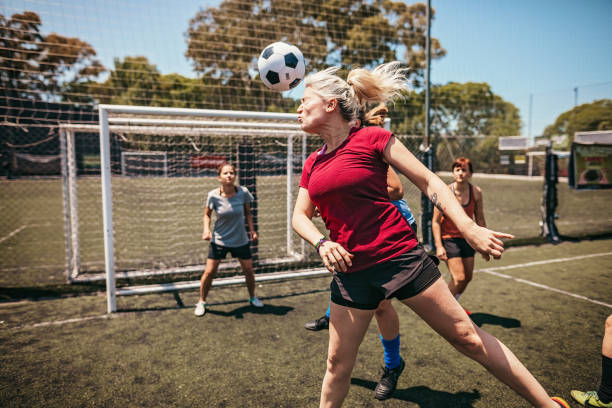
<point x="220" y="252"/>
<point x="458" y="248"/>
<point x="402" y="277"/>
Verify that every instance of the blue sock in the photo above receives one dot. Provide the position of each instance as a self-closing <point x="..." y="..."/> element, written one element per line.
<point x="327" y="312"/>
<point x="391" y="347"/>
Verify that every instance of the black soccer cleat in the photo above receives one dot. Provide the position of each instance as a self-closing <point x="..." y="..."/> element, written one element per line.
<point x="388" y="381"/>
<point x="319" y="324"/>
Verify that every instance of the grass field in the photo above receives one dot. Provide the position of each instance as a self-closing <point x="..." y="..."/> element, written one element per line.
<point x="161" y="225"/>
<point x="66" y="352"/>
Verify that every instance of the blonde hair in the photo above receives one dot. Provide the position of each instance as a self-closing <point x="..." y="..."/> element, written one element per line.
<point x="384" y="83"/>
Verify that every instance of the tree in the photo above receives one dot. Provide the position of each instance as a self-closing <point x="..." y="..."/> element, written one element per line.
<point x="36" y="66"/>
<point x="582" y="118"/>
<point x="470" y="109"/>
<point x="135" y="81"/>
<point x="225" y="41"/>
<point x="466" y="119"/>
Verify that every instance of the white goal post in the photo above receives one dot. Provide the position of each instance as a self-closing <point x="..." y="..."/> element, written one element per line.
<point x="168" y="123"/>
<point x="151" y="213"/>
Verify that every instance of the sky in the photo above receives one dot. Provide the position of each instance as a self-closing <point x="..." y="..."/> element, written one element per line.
<point x="544" y="56"/>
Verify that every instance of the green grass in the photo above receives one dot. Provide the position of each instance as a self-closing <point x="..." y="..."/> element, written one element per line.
<point x="66" y="352"/>
<point x="158" y="221"/>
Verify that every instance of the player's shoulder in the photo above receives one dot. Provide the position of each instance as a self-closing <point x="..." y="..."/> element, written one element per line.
<point x="214" y="193"/>
<point x="477" y="191"/>
<point x="371" y="132"/>
<point x="311" y="158"/>
<point x="243" y="189"/>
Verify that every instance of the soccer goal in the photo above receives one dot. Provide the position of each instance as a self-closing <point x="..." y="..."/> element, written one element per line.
<point x="144" y="164"/>
<point x="156" y="167"/>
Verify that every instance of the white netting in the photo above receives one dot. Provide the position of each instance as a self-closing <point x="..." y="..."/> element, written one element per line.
<point x="160" y="176"/>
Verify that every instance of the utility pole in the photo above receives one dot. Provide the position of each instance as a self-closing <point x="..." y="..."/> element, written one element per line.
<point x="575" y="97"/>
<point x="427" y="150"/>
<point x="529" y="124"/>
<point x="427" y="75"/>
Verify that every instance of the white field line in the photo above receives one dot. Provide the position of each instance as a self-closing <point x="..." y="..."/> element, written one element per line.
<point x="61" y="322"/>
<point x="492" y="271"/>
<point x="17" y="231"/>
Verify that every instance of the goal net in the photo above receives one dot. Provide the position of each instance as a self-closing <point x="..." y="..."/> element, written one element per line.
<point x="157" y="166"/>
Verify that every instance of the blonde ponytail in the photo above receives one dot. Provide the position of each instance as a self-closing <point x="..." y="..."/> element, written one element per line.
<point x="385" y="83"/>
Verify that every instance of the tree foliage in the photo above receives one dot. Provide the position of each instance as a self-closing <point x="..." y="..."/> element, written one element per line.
<point x="582" y="118"/>
<point x="135" y="81"/>
<point x="224" y="42"/>
<point x="466" y="120"/>
<point x="37" y="66"/>
<point x="469" y="109"/>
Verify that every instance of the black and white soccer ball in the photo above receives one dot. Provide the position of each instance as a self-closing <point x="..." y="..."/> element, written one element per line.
<point x="281" y="66"/>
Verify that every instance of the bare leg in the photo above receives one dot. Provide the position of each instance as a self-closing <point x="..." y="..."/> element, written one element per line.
<point x="207" y="277"/>
<point x="387" y="320"/>
<point x="468" y="270"/>
<point x="459" y="280"/>
<point x="249" y="277"/>
<point x="347" y="327"/>
<point x="437" y="307"/>
<point x="606" y="345"/>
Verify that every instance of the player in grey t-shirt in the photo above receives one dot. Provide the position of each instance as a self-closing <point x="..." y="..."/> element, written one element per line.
<point x="232" y="205"/>
<point x="229" y="228"/>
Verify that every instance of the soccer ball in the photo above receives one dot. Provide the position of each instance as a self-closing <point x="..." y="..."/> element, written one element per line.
<point x="281" y="66"/>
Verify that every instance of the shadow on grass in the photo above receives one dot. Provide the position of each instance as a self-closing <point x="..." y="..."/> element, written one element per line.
<point x="267" y="309"/>
<point x="425" y="397"/>
<point x="241" y="311"/>
<point x="481" y="319"/>
<point x="11" y="294"/>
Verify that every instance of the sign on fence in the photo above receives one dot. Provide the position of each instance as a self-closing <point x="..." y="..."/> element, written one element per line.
<point x="207" y="161"/>
<point x="590" y="166"/>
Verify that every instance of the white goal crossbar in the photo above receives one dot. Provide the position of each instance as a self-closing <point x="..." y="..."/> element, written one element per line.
<point x="235" y="123"/>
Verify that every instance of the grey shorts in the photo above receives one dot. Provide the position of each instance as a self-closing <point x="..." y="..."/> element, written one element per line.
<point x="402" y="277"/>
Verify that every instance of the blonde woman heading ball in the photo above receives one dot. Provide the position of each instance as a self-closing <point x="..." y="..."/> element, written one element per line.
<point x="371" y="254"/>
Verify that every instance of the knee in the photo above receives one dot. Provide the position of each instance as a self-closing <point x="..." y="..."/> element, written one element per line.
<point x="468" y="342"/>
<point x="464" y="278"/>
<point x="383" y="308"/>
<point x="458" y="276"/>
<point x="336" y="367"/>
<point x="460" y="282"/>
<point x="468" y="277"/>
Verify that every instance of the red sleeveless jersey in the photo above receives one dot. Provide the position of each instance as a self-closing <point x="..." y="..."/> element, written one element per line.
<point x="449" y="229"/>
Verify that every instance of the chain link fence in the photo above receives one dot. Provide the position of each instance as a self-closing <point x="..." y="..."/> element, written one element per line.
<point x="33" y="245"/>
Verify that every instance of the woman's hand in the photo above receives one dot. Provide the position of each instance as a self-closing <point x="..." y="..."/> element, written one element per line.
<point x="441" y="253"/>
<point x="335" y="257"/>
<point x="253" y="235"/>
<point x="486" y="241"/>
<point x="206" y="235"/>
